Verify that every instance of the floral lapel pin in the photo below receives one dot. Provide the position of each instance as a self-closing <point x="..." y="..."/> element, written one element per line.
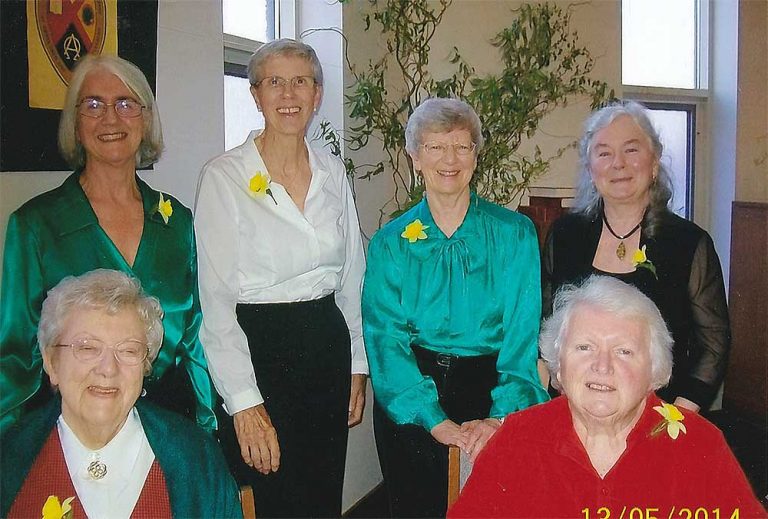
<point x="640" y="260"/>
<point x="258" y="186"/>
<point x="53" y="509"/>
<point x="165" y="208"/>
<point x="414" y="231"/>
<point x="672" y="421"/>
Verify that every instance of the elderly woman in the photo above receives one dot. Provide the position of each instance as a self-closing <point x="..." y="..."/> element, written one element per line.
<point x="98" y="447"/>
<point x="105" y="216"/>
<point x="609" y="446"/>
<point x="281" y="266"/>
<point x="451" y="307"/>
<point x="620" y="226"/>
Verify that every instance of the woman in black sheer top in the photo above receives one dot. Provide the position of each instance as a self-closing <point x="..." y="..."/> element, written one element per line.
<point x="620" y="225"/>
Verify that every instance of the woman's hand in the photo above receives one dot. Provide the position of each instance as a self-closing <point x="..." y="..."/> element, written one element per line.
<point x="448" y="432"/>
<point x="258" y="439"/>
<point x="687" y="404"/>
<point x="478" y="433"/>
<point x="356" y="400"/>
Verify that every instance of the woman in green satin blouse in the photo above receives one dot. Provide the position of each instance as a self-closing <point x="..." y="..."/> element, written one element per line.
<point x="105" y="216"/>
<point x="451" y="308"/>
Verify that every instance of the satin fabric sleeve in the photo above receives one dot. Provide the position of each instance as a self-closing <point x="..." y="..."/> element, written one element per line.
<point x="193" y="355"/>
<point x="519" y="385"/>
<point x="711" y="337"/>
<point x="224" y="342"/>
<point x="20" y="302"/>
<point x="406" y="394"/>
<point x="348" y="295"/>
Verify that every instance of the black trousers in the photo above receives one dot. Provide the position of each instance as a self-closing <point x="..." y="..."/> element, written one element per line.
<point x="301" y="356"/>
<point x="413" y="463"/>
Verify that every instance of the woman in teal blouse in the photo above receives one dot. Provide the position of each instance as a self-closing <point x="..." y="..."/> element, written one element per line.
<point x="105" y="216"/>
<point x="451" y="308"/>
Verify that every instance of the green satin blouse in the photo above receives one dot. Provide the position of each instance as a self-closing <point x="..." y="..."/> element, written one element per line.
<point x="57" y="234"/>
<point x="475" y="293"/>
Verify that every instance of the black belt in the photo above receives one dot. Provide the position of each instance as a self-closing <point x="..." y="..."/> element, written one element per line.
<point x="448" y="360"/>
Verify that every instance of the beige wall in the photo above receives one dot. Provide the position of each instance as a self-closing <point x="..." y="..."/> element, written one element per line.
<point x="752" y="129"/>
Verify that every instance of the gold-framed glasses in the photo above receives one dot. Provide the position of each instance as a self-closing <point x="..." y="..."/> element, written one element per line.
<point x="438" y="149"/>
<point x="278" y="84"/>
<point x="94" y="107"/>
<point x="130" y="352"/>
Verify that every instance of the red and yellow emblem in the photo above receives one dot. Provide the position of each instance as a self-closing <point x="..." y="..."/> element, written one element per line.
<point x="59" y="34"/>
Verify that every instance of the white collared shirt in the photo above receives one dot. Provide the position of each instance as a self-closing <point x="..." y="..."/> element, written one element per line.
<point x="260" y="250"/>
<point x="128" y="458"/>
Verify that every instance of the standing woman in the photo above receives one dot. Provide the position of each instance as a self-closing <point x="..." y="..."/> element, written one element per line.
<point x="451" y="308"/>
<point x="105" y="216"/>
<point x="620" y="226"/>
<point x="281" y="265"/>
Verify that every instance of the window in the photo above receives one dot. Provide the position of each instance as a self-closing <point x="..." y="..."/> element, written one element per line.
<point x="665" y="67"/>
<point x="247" y="24"/>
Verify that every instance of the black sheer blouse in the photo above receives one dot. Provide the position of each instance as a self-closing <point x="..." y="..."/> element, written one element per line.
<point x="689" y="292"/>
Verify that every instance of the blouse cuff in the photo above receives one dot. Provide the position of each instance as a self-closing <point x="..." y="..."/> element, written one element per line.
<point x="360" y="367"/>
<point x="431" y="415"/>
<point x="698" y="392"/>
<point x="243" y="400"/>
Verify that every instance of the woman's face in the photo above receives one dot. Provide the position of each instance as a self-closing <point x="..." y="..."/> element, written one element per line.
<point x="287" y="108"/>
<point x="447" y="172"/>
<point x="96" y="395"/>
<point x="605" y="365"/>
<point x="622" y="162"/>
<point x="111" y="139"/>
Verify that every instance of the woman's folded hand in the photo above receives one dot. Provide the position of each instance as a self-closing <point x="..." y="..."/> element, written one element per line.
<point x="448" y="432"/>
<point x="258" y="439"/>
<point x="478" y="432"/>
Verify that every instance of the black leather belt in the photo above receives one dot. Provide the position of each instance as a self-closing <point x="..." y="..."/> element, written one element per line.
<point x="448" y="360"/>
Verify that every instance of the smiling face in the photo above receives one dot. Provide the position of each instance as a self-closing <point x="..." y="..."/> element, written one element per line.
<point x="289" y="109"/>
<point x="605" y="366"/>
<point x="447" y="174"/>
<point x="97" y="395"/>
<point x="110" y="139"/>
<point x="622" y="162"/>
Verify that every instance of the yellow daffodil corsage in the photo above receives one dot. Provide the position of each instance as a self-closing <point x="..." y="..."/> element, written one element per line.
<point x="258" y="186"/>
<point x="672" y="421"/>
<point x="415" y="231"/>
<point x="640" y="260"/>
<point x="165" y="208"/>
<point x="52" y="509"/>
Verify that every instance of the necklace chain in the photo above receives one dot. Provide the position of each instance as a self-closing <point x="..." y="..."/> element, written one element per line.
<point x="621" y="250"/>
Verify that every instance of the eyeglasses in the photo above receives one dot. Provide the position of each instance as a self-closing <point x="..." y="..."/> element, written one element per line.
<point x="438" y="149"/>
<point x="130" y="352"/>
<point x="278" y="84"/>
<point x="92" y="107"/>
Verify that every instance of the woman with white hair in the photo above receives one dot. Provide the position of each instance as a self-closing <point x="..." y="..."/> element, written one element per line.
<point x="608" y="447"/>
<point x="281" y="265"/>
<point x="105" y="216"/>
<point x="97" y="450"/>
<point x="620" y="225"/>
<point x="451" y="309"/>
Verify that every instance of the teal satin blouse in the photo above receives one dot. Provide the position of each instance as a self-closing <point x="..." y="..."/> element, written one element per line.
<point x="475" y="293"/>
<point x="57" y="234"/>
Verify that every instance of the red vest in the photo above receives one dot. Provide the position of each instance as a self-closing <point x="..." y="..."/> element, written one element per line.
<point x="49" y="477"/>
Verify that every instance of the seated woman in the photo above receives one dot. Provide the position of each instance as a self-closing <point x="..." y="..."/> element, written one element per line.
<point x="609" y="445"/>
<point x="96" y="447"/>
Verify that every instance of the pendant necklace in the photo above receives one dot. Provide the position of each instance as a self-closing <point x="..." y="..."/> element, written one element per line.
<point x="621" y="250"/>
<point x="97" y="469"/>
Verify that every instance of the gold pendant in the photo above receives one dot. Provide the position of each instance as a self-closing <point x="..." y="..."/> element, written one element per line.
<point x="97" y="469"/>
<point x="621" y="250"/>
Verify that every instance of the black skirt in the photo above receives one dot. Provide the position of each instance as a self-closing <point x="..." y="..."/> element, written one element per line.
<point x="413" y="463"/>
<point x="301" y="356"/>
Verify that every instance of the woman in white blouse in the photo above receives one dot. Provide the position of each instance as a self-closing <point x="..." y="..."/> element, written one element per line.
<point x="281" y="265"/>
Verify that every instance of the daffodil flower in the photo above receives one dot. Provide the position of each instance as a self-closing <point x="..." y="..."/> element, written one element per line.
<point x="672" y="420"/>
<point x="640" y="260"/>
<point x="165" y="208"/>
<point x="415" y="231"/>
<point x="259" y="186"/>
<point x="52" y="509"/>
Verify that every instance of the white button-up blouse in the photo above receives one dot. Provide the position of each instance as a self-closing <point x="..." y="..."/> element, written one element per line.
<point x="259" y="248"/>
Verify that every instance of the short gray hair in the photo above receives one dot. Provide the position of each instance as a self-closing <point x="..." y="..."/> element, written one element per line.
<point x="280" y="48"/>
<point x="151" y="146"/>
<point x="109" y="290"/>
<point x="588" y="200"/>
<point x="440" y="115"/>
<point x="618" y="298"/>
